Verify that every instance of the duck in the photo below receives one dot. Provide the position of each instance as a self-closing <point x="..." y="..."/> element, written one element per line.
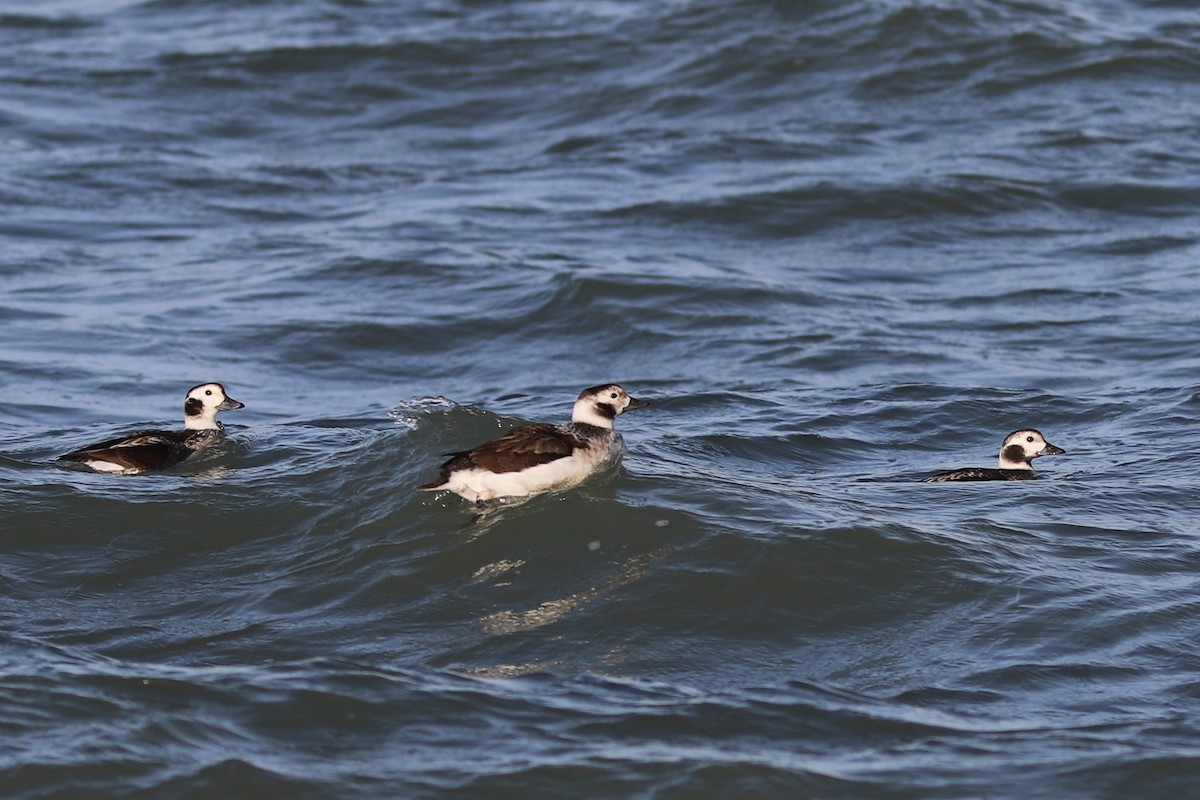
<point x="1016" y="454"/>
<point x="542" y="456"/>
<point x="149" y="450"/>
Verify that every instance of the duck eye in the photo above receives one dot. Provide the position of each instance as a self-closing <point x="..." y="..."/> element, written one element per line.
<point x="1029" y="438"/>
<point x="208" y="392"/>
<point x="613" y="395"/>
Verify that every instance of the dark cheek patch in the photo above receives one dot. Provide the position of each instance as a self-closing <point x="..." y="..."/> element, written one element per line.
<point x="607" y="411"/>
<point x="1014" y="452"/>
<point x="193" y="407"/>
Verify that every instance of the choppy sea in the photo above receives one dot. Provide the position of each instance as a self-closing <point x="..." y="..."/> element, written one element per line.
<point x="838" y="245"/>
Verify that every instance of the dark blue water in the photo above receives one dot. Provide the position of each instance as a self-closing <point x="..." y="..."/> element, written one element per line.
<point x="839" y="246"/>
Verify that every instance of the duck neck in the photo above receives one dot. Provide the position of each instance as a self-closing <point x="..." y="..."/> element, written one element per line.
<point x="588" y="412"/>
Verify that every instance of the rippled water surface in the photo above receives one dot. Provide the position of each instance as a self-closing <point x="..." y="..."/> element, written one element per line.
<point x="838" y="246"/>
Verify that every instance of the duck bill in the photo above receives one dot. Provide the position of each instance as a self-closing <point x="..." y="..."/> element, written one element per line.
<point x="1051" y="450"/>
<point x="635" y="403"/>
<point x="229" y="404"/>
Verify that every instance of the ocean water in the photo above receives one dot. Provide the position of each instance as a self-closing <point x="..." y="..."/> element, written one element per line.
<point x="838" y="246"/>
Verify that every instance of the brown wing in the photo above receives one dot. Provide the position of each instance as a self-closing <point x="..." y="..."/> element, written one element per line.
<point x="523" y="447"/>
<point x="520" y="448"/>
<point x="981" y="474"/>
<point x="144" y="450"/>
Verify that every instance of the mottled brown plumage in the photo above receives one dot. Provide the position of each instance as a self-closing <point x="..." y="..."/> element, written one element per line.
<point x="144" y="451"/>
<point x="520" y="448"/>
<point x="540" y="456"/>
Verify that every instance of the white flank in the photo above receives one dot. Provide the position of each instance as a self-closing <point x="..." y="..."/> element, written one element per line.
<point x="106" y="466"/>
<point x="480" y="484"/>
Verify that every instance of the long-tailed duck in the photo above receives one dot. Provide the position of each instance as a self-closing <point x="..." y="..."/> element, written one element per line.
<point x="143" y="451"/>
<point x="1018" y="450"/>
<point x="541" y="456"/>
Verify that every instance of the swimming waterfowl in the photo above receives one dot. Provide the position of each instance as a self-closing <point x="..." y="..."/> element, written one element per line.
<point x="541" y="456"/>
<point x="1019" y="449"/>
<point x="144" y="451"/>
